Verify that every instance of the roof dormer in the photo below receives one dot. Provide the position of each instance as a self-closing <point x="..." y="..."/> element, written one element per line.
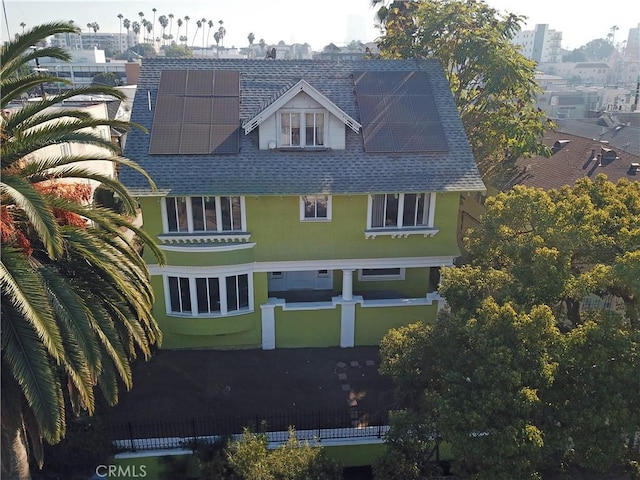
<point x="301" y="118"/>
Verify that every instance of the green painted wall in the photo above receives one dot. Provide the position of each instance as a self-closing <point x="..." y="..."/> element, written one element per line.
<point x="316" y="328"/>
<point x="274" y="223"/>
<point x="373" y="323"/>
<point x="415" y="283"/>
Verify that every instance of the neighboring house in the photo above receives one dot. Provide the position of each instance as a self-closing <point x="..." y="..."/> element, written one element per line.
<point x="541" y="44"/>
<point x="573" y="157"/>
<point x="299" y="203"/>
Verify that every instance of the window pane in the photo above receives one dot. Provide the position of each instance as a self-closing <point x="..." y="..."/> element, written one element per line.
<point x="214" y="295"/>
<point x="172" y="216"/>
<point x="391" y="214"/>
<point x="210" y="214"/>
<point x="203" y="298"/>
<point x="321" y="206"/>
<point x="236" y="210"/>
<point x="380" y="272"/>
<point x="232" y="294"/>
<point x="182" y="214"/>
<point x="174" y="294"/>
<point x="377" y="210"/>
<point x="243" y="291"/>
<point x="409" y="212"/>
<point x="319" y="128"/>
<point x="225" y="207"/>
<point x="309" y="206"/>
<point x="295" y="129"/>
<point x="185" y="295"/>
<point x="197" y="210"/>
<point x="309" y="129"/>
<point x="422" y="213"/>
<point x="285" y="119"/>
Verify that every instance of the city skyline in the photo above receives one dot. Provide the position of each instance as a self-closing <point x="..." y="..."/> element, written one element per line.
<point x="332" y="21"/>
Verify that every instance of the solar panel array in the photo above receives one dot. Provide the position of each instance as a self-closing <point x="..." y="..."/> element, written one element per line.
<point x="197" y="112"/>
<point x="398" y="113"/>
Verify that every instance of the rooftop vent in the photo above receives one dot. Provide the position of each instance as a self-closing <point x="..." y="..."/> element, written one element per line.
<point x="559" y="145"/>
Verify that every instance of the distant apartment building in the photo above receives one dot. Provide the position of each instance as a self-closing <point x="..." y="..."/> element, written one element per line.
<point x="115" y="42"/>
<point x="541" y="44"/>
<point x="84" y="65"/>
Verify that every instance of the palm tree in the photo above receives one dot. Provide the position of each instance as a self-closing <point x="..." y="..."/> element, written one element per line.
<point x="22" y="24"/>
<point x="251" y="37"/>
<point x="164" y="22"/>
<point x="216" y="37"/>
<point x="198" y="25"/>
<point x="210" y="23"/>
<point x="179" y="23"/>
<point x="186" y="26"/>
<point x="142" y="24"/>
<point x="120" y="17"/>
<point x="170" y="22"/>
<point x="127" y="25"/>
<point x="153" y="23"/>
<point x="135" y="26"/>
<point x="222" y="31"/>
<point x="204" y="22"/>
<point x="76" y="298"/>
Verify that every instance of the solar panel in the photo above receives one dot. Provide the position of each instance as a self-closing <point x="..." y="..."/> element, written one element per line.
<point x="169" y="108"/>
<point x="198" y="109"/>
<point x="165" y="138"/>
<point x="398" y="112"/>
<point x="226" y="83"/>
<point x="197" y="112"/>
<point x="172" y="82"/>
<point x="194" y="139"/>
<point x="200" y="82"/>
<point x="224" y="139"/>
<point x="225" y="110"/>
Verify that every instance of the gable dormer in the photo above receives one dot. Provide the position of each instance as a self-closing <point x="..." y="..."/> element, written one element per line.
<point x="301" y="118"/>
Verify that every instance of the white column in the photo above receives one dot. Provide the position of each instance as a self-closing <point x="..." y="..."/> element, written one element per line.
<point x="347" y="324"/>
<point x="347" y="285"/>
<point x="268" y="326"/>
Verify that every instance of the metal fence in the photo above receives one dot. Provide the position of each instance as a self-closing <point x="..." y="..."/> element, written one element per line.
<point x="316" y="426"/>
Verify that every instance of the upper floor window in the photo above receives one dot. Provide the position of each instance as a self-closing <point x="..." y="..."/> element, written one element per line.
<point x="204" y="214"/>
<point x="302" y="129"/>
<point x="315" y="207"/>
<point x="401" y="210"/>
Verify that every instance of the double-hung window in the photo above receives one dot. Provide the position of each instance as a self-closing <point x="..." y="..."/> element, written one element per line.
<point x="204" y="214"/>
<point x="315" y="207"/>
<point x="401" y="210"/>
<point x="209" y="296"/>
<point x="302" y="129"/>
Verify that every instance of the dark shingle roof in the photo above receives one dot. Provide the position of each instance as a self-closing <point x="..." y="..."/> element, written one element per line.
<point x="569" y="163"/>
<point x="619" y="135"/>
<point x="276" y="172"/>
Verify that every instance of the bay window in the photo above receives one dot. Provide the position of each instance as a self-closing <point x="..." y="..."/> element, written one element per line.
<point x="401" y="210"/>
<point x="209" y="296"/>
<point x="204" y="214"/>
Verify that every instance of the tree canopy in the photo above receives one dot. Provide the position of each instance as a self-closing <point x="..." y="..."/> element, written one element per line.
<point x="76" y="295"/>
<point x="492" y="82"/>
<point x="178" y="51"/>
<point x="534" y="365"/>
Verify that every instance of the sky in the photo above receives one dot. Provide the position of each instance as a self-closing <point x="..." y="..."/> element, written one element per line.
<point x="315" y="22"/>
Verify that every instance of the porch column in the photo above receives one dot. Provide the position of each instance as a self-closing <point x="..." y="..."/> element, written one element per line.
<point x="268" y="326"/>
<point x="347" y="324"/>
<point x="347" y="285"/>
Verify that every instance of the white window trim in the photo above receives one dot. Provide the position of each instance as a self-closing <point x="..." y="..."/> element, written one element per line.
<point x="401" y="231"/>
<point x="315" y="219"/>
<point x="194" y="294"/>
<point x="207" y="234"/>
<point x="303" y="129"/>
<point x="375" y="278"/>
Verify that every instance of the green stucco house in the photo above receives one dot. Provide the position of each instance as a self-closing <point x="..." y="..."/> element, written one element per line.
<point x="299" y="203"/>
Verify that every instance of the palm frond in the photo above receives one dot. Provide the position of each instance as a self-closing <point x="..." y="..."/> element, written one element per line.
<point x="20" y="194"/>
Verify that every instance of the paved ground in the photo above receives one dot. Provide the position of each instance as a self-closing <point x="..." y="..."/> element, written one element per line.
<point x="203" y="383"/>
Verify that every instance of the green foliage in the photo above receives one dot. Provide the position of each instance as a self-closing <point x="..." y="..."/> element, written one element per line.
<point x="76" y="296"/>
<point x="249" y="459"/>
<point x="109" y="79"/>
<point x="145" y="50"/>
<point x="517" y="376"/>
<point x="597" y="50"/>
<point x="179" y="51"/>
<point x="492" y="82"/>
